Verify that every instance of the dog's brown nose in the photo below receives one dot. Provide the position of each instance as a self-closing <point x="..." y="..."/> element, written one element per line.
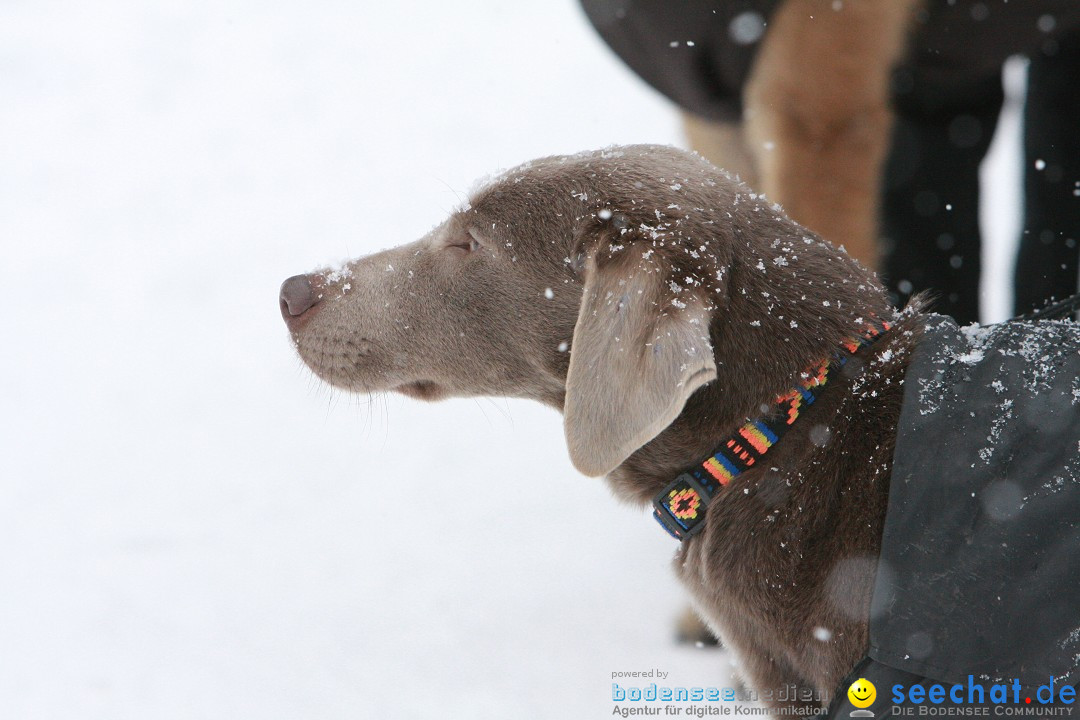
<point x="297" y="296"/>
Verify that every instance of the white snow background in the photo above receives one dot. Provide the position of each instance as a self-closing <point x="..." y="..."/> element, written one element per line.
<point x="192" y="526"/>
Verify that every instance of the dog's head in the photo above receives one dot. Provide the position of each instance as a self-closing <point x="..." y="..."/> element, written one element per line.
<point x="609" y="284"/>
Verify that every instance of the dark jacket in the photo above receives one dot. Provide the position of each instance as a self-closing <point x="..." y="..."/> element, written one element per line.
<point x="979" y="573"/>
<point x="699" y="52"/>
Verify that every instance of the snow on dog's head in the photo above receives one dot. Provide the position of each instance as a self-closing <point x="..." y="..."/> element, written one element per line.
<point x="606" y="284"/>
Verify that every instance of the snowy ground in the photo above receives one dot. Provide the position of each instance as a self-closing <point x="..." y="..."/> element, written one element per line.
<point x="190" y="525"/>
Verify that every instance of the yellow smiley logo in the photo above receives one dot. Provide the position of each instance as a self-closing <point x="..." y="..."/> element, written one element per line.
<point x="862" y="693"/>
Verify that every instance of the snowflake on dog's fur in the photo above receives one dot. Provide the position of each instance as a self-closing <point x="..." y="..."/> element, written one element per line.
<point x="684" y="504"/>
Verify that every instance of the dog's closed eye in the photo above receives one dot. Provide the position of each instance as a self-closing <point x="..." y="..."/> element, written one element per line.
<point x="464" y="242"/>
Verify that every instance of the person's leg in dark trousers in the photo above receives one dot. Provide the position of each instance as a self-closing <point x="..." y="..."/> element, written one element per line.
<point x="1047" y="261"/>
<point x="930" y="206"/>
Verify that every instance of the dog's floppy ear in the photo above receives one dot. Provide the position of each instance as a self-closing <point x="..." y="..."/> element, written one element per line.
<point x="640" y="349"/>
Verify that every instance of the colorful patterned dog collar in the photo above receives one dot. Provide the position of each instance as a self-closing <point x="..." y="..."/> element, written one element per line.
<point x="680" y="507"/>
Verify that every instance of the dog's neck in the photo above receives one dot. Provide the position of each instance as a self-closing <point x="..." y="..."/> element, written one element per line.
<point x="681" y="506"/>
<point x="764" y="336"/>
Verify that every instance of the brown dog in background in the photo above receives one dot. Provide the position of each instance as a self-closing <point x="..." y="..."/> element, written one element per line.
<point x="867" y="120"/>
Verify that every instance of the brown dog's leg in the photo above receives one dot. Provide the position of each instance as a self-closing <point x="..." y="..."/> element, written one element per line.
<point x="692" y="630"/>
<point x="723" y="144"/>
<point x="773" y="680"/>
<point x="817" y="113"/>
